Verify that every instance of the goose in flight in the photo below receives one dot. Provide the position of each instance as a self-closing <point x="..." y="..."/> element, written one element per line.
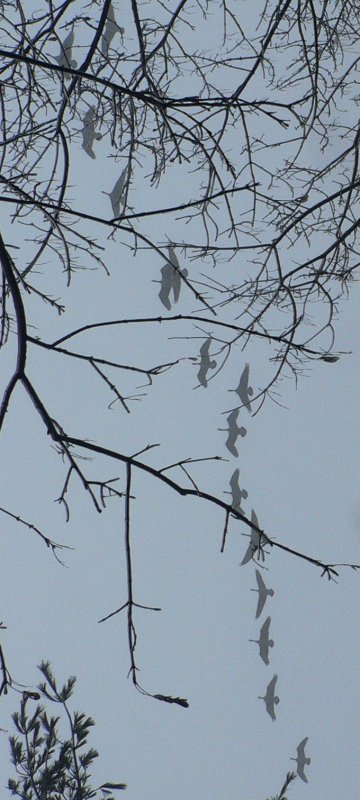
<point x="110" y="30"/>
<point x="301" y="759"/>
<point x="171" y="279"/>
<point x="255" y="542"/>
<point x="234" y="431"/>
<point x="88" y="132"/>
<point x="237" y="494"/>
<point x="243" y="390"/>
<point x="117" y="192"/>
<point x="270" y="698"/>
<point x="263" y="591"/>
<point x="206" y="362"/>
<point x="264" y="642"/>
<point x="64" y="58"/>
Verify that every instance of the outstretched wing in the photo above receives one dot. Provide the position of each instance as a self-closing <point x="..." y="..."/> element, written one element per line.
<point x="254" y="540"/>
<point x="262" y="593"/>
<point x="255" y="536"/>
<point x="176" y="273"/>
<point x="270" y="691"/>
<point x="301" y="747"/>
<point x="301" y="773"/>
<point x="117" y="192"/>
<point x="270" y="697"/>
<point x="166" y="275"/>
<point x="243" y="388"/>
<point x="264" y="641"/>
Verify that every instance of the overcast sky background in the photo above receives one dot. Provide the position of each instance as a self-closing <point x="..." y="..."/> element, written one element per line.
<point x="299" y="464"/>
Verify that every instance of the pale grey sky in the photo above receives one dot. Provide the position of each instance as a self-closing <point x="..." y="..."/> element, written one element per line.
<point x="298" y="464"/>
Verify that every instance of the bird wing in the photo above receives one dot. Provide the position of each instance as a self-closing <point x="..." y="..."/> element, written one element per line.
<point x="254" y="541"/>
<point x="301" y="773"/>
<point x="242" y="389"/>
<point x="176" y="273"/>
<point x="165" y="286"/>
<point x="260" y="581"/>
<point x="264" y="641"/>
<point x="270" y="697"/>
<point x="201" y="375"/>
<point x="248" y="556"/>
<point x="173" y="258"/>
<point x="88" y="149"/>
<point x="255" y="536"/>
<point x="271" y="710"/>
<point x="260" y="605"/>
<point x="88" y="132"/>
<point x="109" y="32"/>
<point x="262" y="594"/>
<point x="64" y="58"/>
<point x="117" y="192"/>
<point x="301" y="746"/>
<point x="235" y="489"/>
<point x="230" y="444"/>
<point x="271" y="687"/>
<point x="204" y="349"/>
<point x="234" y="480"/>
<point x="265" y="628"/>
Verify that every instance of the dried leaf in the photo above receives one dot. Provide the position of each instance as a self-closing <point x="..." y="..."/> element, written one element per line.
<point x="330" y="359"/>
<point x="167" y="699"/>
<point x="109" y="785"/>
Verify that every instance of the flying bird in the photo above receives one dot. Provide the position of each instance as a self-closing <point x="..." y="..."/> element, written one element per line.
<point x="271" y="699"/>
<point x="166" y="285"/>
<point x="171" y="279"/>
<point x="88" y="132"/>
<point x="117" y="192"/>
<point x="243" y="390"/>
<point x="263" y="591"/>
<point x="110" y="30"/>
<point x="206" y="362"/>
<point x="234" y="431"/>
<point x="264" y="642"/>
<point x="176" y="273"/>
<point x="237" y="494"/>
<point x="255" y="542"/>
<point x="301" y="759"/>
<point x="64" y="58"/>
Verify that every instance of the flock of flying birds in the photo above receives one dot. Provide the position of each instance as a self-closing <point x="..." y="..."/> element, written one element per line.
<point x="170" y="286"/>
<point x="234" y="430"/>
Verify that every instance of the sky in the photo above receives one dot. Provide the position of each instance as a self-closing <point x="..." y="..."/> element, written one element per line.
<point x="299" y="464"/>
